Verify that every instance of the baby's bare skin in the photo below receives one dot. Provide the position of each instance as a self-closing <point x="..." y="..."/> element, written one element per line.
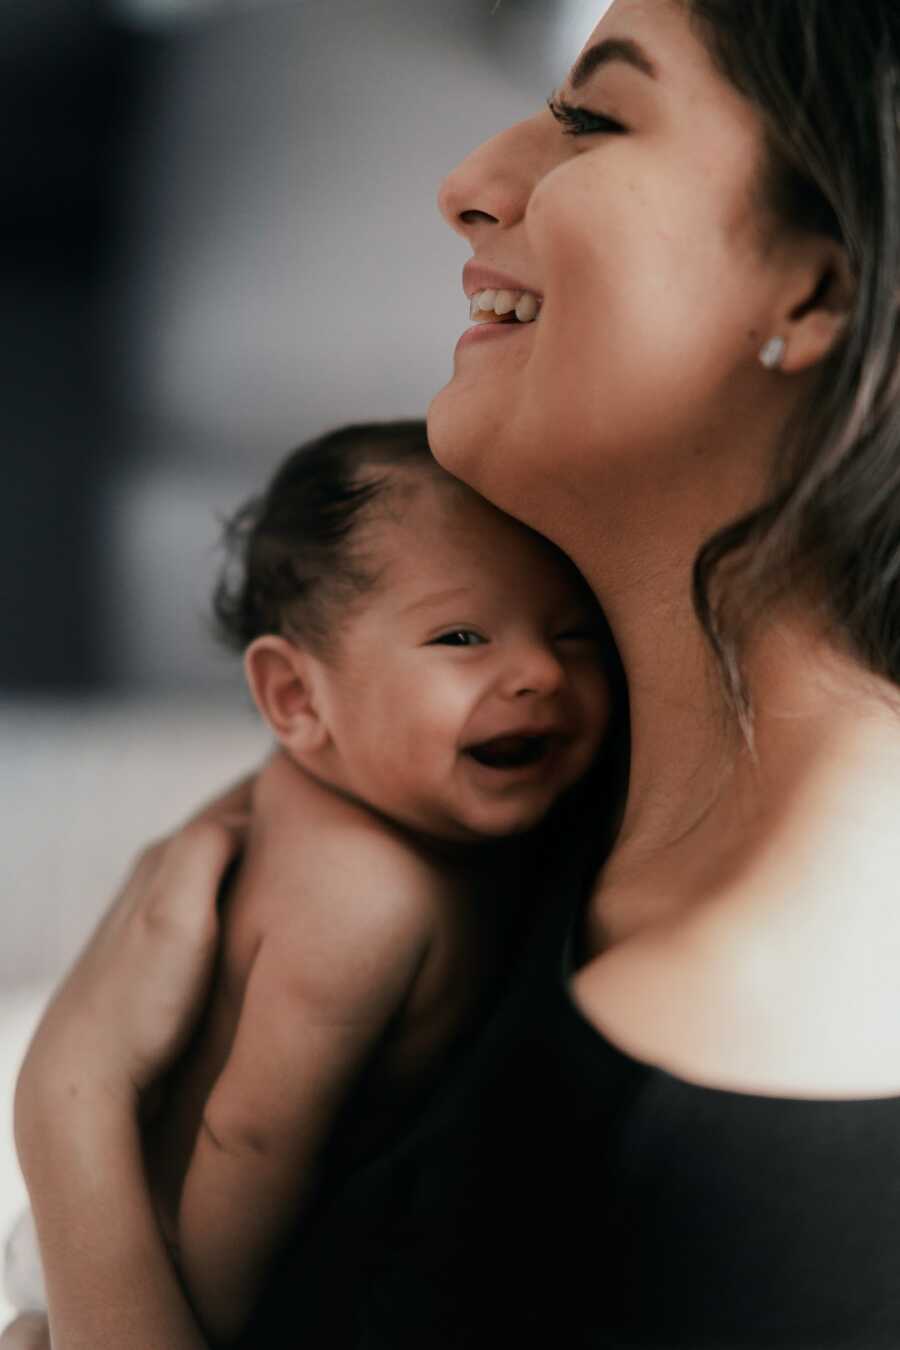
<point x="423" y="738"/>
<point x="351" y="957"/>
<point x="436" y="727"/>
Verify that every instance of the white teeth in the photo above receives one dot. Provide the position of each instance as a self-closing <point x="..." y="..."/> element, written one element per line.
<point x="524" y="304"/>
<point x="527" y="308"/>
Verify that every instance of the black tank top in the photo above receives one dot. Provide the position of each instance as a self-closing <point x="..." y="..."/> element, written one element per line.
<point x="558" y="1192"/>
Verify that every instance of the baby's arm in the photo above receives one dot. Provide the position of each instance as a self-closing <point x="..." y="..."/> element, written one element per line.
<point x="316" y="1004"/>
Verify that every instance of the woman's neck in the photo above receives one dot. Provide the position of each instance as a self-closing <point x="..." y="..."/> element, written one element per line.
<point x="681" y="741"/>
<point x="701" y="805"/>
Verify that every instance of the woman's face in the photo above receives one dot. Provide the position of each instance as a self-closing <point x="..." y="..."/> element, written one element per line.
<point x="639" y="227"/>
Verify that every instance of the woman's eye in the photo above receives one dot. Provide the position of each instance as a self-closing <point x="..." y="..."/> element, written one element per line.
<point x="581" y="121"/>
<point x="459" y="637"/>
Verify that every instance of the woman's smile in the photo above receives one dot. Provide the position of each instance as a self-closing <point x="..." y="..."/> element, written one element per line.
<point x="498" y="302"/>
<point x="613" y="184"/>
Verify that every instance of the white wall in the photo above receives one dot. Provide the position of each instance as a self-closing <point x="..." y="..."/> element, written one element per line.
<point x="287" y="269"/>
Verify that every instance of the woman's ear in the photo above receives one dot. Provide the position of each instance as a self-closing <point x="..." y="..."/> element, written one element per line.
<point x="817" y="312"/>
<point x="282" y="681"/>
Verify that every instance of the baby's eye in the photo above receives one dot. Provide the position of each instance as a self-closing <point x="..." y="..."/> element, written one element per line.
<point x="459" y="637"/>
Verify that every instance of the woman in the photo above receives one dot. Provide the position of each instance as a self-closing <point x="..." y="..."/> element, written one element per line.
<point x="706" y="416"/>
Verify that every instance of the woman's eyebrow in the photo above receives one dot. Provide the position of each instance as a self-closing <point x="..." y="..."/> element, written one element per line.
<point x="612" y="49"/>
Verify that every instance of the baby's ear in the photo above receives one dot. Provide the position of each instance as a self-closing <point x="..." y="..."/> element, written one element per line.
<point x="282" y="681"/>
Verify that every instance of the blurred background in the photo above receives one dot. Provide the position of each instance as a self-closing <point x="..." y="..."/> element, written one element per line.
<point x="218" y="237"/>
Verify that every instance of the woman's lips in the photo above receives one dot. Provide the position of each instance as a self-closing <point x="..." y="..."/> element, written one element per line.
<point x="516" y="305"/>
<point x="477" y="277"/>
<point x="489" y="332"/>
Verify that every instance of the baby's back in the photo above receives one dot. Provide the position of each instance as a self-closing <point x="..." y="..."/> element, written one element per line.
<point x="315" y="877"/>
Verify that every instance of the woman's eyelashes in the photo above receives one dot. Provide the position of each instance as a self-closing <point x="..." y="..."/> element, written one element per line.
<point x="577" y="121"/>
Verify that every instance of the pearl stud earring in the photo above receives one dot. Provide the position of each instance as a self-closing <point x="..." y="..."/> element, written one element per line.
<point x="772" y="353"/>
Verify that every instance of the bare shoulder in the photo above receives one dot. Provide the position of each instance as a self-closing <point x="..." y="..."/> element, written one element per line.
<point x="363" y="907"/>
<point x="371" y="867"/>
<point x="316" y="854"/>
<point x="775" y="994"/>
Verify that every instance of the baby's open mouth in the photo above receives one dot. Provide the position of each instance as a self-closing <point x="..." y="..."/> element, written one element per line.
<point x="510" y="752"/>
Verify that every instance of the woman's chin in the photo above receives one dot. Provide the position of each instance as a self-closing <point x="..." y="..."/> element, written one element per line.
<point x="480" y="448"/>
<point x="452" y="432"/>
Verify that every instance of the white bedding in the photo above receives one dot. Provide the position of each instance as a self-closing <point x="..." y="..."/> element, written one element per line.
<point x="82" y="786"/>
<point x="19" y="1011"/>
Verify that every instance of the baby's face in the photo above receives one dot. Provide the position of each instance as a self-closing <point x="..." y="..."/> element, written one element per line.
<point x="468" y="691"/>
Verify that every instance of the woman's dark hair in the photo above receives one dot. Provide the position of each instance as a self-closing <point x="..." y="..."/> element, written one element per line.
<point x="825" y="76"/>
<point x="294" y="554"/>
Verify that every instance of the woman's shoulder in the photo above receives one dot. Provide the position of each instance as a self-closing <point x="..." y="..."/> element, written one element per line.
<point x="768" y="995"/>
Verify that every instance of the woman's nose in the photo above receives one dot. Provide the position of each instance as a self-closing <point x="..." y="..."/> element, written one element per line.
<point x="493" y="185"/>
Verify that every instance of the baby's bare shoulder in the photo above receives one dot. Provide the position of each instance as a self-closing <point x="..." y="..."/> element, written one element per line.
<point x="358" y="935"/>
<point x="356" y="881"/>
<point x="372" y="851"/>
<point x="313" y="851"/>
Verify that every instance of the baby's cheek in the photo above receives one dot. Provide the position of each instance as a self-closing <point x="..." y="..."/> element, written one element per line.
<point x="414" y="753"/>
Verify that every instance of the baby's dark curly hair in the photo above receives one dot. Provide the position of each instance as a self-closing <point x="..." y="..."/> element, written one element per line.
<point x="293" y="555"/>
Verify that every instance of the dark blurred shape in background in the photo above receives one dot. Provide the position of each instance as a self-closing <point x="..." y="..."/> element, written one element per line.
<point x="68" y="82"/>
<point x="218" y="237"/>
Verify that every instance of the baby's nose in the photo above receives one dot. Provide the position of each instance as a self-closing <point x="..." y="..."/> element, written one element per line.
<point x="535" y="671"/>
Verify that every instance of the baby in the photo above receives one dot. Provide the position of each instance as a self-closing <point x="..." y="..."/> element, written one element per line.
<point x="434" y="673"/>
